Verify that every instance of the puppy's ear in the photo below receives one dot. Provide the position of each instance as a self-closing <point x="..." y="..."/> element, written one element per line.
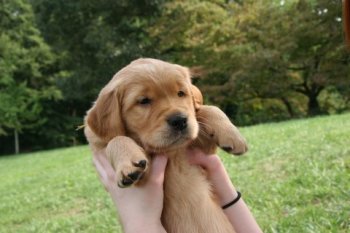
<point x="104" y="118"/>
<point x="195" y="92"/>
<point x="197" y="72"/>
<point x="197" y="96"/>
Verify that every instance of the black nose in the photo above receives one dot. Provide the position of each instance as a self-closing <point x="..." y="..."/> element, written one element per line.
<point x="177" y="121"/>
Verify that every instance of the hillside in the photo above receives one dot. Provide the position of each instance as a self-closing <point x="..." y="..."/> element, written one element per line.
<point x="295" y="178"/>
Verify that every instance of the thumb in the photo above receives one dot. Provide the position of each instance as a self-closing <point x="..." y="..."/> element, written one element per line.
<point x="208" y="162"/>
<point x="159" y="163"/>
<point x="196" y="157"/>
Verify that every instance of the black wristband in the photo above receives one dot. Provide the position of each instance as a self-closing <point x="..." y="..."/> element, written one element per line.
<point x="233" y="202"/>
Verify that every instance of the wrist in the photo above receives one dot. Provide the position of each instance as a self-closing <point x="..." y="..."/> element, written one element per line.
<point x="227" y="196"/>
<point x="234" y="201"/>
<point x="223" y="187"/>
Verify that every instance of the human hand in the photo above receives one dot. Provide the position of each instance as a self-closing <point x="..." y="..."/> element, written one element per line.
<point x="139" y="207"/>
<point x="216" y="174"/>
<point x="239" y="214"/>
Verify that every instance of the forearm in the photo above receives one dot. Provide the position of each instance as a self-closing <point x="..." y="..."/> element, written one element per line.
<point x="223" y="186"/>
<point x="238" y="214"/>
<point x="241" y="218"/>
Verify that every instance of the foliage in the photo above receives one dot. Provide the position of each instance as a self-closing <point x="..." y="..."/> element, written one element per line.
<point x="94" y="39"/>
<point x="26" y="68"/>
<point x="260" y="52"/>
<point x="91" y="40"/>
<point x="295" y="178"/>
<point x="260" y="60"/>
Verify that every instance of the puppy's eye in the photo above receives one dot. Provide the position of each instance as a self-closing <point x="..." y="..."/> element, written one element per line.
<point x="181" y="94"/>
<point x="145" y="101"/>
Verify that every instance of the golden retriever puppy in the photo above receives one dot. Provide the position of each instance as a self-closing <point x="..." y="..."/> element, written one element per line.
<point x="150" y="106"/>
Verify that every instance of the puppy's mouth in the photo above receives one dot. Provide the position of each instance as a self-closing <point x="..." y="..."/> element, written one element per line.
<point x="168" y="143"/>
<point x="179" y="138"/>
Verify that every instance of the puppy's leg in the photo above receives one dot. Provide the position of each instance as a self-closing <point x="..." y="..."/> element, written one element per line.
<point x="128" y="159"/>
<point x="217" y="129"/>
<point x="205" y="139"/>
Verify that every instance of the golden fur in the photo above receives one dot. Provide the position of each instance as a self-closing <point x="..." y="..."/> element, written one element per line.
<point x="130" y="121"/>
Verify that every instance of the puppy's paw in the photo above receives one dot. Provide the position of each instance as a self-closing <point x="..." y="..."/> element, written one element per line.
<point x="229" y="138"/>
<point x="218" y="126"/>
<point x="232" y="142"/>
<point x="131" y="172"/>
<point x="128" y="159"/>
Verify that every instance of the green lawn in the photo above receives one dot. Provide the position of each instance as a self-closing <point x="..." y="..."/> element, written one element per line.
<point x="295" y="178"/>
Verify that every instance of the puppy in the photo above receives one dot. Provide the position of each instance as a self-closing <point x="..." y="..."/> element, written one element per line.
<point x="148" y="107"/>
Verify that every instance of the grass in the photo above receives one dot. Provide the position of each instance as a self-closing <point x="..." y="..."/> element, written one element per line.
<point x="295" y="178"/>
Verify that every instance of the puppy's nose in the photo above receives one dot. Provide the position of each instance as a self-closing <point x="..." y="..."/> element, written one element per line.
<point x="177" y="121"/>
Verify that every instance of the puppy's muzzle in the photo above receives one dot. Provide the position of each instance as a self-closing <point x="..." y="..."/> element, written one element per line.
<point x="177" y="122"/>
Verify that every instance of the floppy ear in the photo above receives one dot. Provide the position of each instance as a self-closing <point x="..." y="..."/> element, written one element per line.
<point x="196" y="72"/>
<point x="197" y="97"/>
<point x="104" y="118"/>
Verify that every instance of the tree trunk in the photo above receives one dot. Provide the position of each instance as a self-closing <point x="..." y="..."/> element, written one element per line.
<point x="288" y="106"/>
<point x="313" y="106"/>
<point x="16" y="142"/>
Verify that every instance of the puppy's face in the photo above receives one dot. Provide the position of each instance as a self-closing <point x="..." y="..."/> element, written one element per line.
<point x="158" y="108"/>
<point x="155" y="105"/>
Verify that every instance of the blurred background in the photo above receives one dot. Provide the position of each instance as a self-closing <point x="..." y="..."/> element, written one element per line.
<point x="260" y="61"/>
<point x="278" y="68"/>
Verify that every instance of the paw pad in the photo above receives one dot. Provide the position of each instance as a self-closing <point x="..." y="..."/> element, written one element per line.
<point x="132" y="174"/>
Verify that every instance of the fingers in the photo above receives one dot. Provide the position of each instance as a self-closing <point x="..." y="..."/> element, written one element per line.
<point x="196" y="156"/>
<point x="107" y="173"/>
<point x="99" y="168"/>
<point x="208" y="162"/>
<point x="104" y="169"/>
<point x="159" y="163"/>
<point x="103" y="161"/>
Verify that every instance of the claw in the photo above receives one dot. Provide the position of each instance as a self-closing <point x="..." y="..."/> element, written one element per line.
<point x="228" y="149"/>
<point x="141" y="164"/>
<point x="135" y="175"/>
<point x="125" y="182"/>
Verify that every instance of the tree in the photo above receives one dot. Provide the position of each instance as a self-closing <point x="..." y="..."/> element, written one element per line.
<point x="306" y="55"/>
<point x="93" y="40"/>
<point x="260" y="54"/>
<point x="25" y="68"/>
